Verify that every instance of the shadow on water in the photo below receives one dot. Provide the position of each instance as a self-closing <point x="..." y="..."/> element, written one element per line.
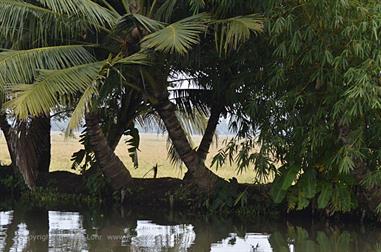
<point x="23" y="229"/>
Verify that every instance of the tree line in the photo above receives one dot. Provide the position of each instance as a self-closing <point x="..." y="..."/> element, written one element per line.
<point x="299" y="82"/>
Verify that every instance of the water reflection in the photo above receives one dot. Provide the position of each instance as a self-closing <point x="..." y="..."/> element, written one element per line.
<point x="250" y="242"/>
<point x="153" y="237"/>
<point x="66" y="231"/>
<point x="5" y="221"/>
<point x="41" y="230"/>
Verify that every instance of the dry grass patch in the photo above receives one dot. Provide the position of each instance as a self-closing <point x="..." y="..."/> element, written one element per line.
<point x="153" y="151"/>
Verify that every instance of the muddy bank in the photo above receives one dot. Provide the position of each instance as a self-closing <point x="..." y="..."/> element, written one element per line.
<point x="68" y="190"/>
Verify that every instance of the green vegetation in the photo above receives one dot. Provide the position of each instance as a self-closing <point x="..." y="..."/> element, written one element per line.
<point x="299" y="82"/>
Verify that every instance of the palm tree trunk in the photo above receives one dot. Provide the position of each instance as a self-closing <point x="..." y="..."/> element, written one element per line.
<point x="33" y="150"/>
<point x="29" y="147"/>
<point x="210" y="130"/>
<point x="112" y="167"/>
<point x="40" y="131"/>
<point x="197" y="172"/>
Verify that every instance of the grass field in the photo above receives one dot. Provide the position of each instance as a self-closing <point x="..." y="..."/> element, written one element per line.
<point x="153" y="151"/>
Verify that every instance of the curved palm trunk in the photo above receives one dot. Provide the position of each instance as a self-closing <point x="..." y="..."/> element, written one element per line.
<point x="111" y="165"/>
<point x="210" y="130"/>
<point x="197" y="173"/>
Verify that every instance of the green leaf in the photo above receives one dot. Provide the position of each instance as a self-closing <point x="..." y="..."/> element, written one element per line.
<point x="233" y="32"/>
<point x="133" y="142"/>
<point x="290" y="176"/>
<point x="178" y="37"/>
<point x="325" y="195"/>
<point x="277" y="194"/>
<point x="22" y="21"/>
<point x="93" y="12"/>
<point x="302" y="201"/>
<point x="20" y="67"/>
<point x="308" y="183"/>
<point x="130" y="21"/>
<point x="39" y="98"/>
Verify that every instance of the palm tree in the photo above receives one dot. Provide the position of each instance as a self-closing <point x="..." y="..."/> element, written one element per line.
<point x="70" y="48"/>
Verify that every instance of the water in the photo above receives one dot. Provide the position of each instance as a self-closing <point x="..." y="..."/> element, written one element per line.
<point x="41" y="230"/>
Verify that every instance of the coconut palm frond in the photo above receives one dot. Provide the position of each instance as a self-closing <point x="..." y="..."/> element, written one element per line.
<point x="40" y="97"/>
<point x="92" y="11"/>
<point x="131" y="21"/>
<point x="21" y="66"/>
<point x="82" y="106"/>
<point x="196" y="5"/>
<point x="22" y="21"/>
<point x="173" y="156"/>
<point x="178" y="37"/>
<point x="193" y="124"/>
<point x="139" y="58"/>
<point x="232" y="32"/>
<point x="165" y="11"/>
<point x="18" y="18"/>
<point x="190" y="100"/>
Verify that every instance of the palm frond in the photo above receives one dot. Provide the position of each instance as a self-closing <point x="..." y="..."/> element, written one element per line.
<point x="191" y="100"/>
<point x="93" y="12"/>
<point x="150" y="121"/>
<point x="178" y="37"/>
<point x="131" y="21"/>
<point x="139" y="58"/>
<point x="173" y="156"/>
<point x="18" y="18"/>
<point x="232" y="32"/>
<point x="41" y="97"/>
<point x="21" y="66"/>
<point x="82" y="106"/>
<point x="24" y="22"/>
<point x="196" y="5"/>
<point x="165" y="11"/>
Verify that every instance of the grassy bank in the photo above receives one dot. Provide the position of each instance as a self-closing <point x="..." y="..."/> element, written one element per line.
<point x="153" y="151"/>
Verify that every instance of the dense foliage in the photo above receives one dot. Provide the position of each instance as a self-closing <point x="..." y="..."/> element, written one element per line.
<point x="298" y="80"/>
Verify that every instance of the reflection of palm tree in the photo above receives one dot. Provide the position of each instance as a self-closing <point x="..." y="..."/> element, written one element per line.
<point x="157" y="237"/>
<point x="66" y="230"/>
<point x="10" y="227"/>
<point x="209" y="232"/>
<point x="37" y="226"/>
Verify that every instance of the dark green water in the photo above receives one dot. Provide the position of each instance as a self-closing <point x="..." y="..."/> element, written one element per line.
<point x="42" y="230"/>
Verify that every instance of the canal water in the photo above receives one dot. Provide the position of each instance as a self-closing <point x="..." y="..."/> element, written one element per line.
<point x="24" y="229"/>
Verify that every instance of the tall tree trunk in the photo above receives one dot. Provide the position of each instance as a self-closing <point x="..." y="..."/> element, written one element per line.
<point x="210" y="130"/>
<point x="29" y="147"/>
<point x="197" y="172"/>
<point x="33" y="150"/>
<point x="40" y="130"/>
<point x="112" y="167"/>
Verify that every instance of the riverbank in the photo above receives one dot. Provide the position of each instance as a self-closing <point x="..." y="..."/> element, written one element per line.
<point x="68" y="190"/>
